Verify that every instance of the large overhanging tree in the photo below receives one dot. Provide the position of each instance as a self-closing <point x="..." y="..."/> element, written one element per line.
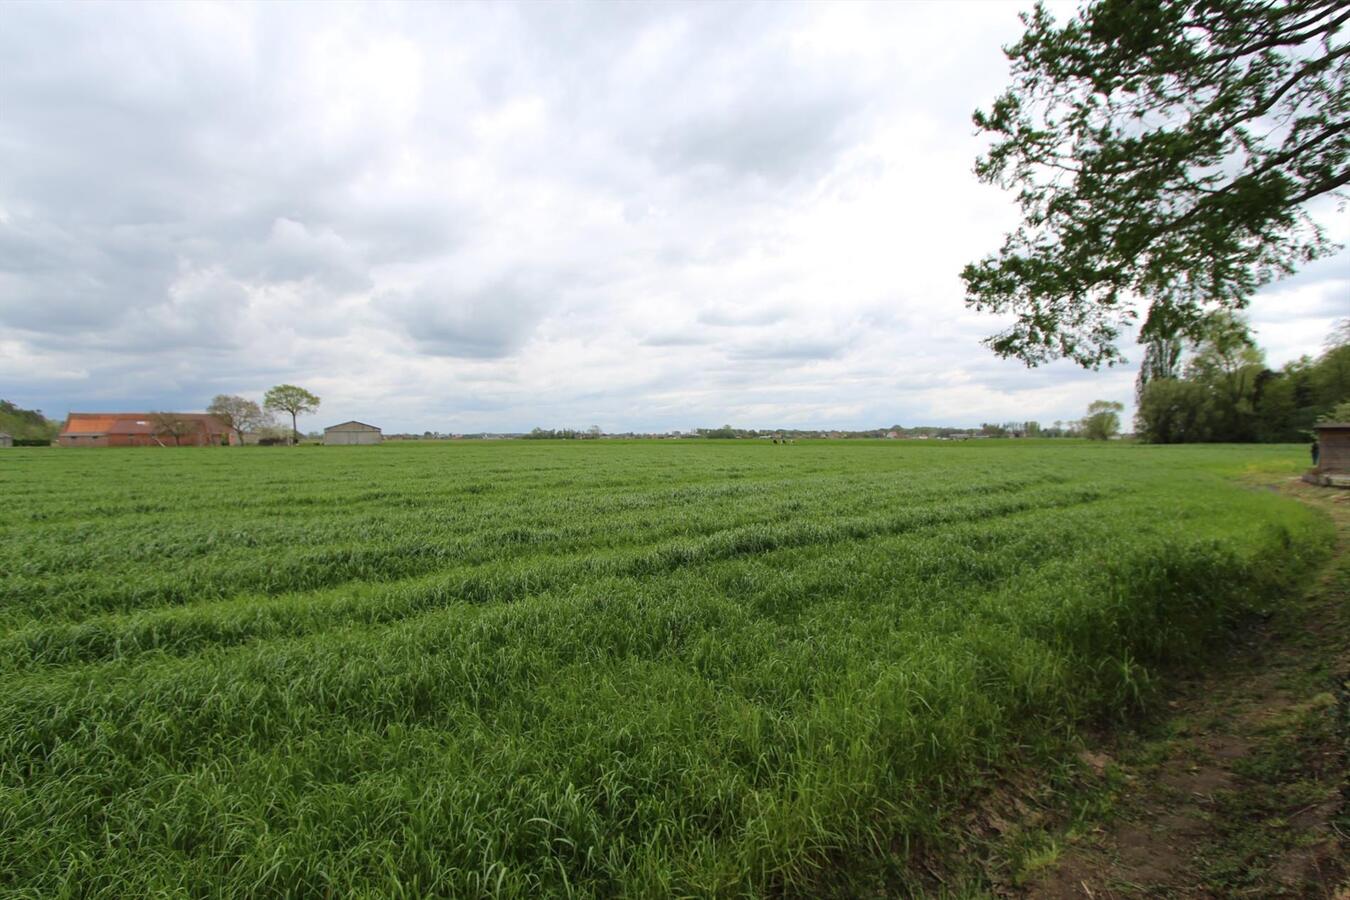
<point x="1163" y="155"/>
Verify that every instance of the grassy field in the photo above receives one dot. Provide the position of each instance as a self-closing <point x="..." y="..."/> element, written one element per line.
<point x="582" y="668"/>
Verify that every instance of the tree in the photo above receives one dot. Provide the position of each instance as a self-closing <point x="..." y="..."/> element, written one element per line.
<point x="1173" y="411"/>
<point x="1103" y="419"/>
<point x="1227" y="361"/>
<point x="1276" y="409"/>
<point x="1338" y="413"/>
<point x="1331" y="377"/>
<point x="172" y="425"/>
<point x="291" y="399"/>
<point x="1163" y="154"/>
<point x="1162" y="359"/>
<point x="1227" y="394"/>
<point x="237" y="414"/>
<point x="26" y="424"/>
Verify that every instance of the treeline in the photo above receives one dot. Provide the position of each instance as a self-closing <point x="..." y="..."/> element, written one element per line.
<point x="27" y="426"/>
<point x="1218" y="388"/>
<point x="562" y="434"/>
<point x="1061" y="429"/>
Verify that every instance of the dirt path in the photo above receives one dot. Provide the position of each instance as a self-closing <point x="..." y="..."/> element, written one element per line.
<point x="1242" y="790"/>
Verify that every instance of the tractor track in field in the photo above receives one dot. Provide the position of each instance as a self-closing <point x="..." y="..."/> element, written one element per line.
<point x="1242" y="789"/>
<point x="174" y="629"/>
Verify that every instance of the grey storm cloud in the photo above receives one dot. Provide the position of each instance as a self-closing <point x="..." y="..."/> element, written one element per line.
<point x="293" y="251"/>
<point x="675" y="339"/>
<point x="485" y="217"/>
<point x="771" y="132"/>
<point x="485" y="323"/>
<point x="74" y="278"/>
<point x="801" y="349"/>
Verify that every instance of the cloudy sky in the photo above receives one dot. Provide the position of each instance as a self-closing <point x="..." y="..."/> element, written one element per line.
<point x="464" y="217"/>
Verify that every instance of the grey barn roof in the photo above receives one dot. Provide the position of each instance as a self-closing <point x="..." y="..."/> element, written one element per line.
<point x="344" y="425"/>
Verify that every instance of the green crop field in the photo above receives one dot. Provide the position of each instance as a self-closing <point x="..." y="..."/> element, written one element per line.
<point x="582" y="668"/>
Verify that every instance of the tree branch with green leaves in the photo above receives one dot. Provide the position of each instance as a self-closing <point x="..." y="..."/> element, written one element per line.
<point x="1163" y="155"/>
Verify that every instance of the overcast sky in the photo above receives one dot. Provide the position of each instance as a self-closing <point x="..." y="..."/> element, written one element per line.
<point x="466" y="218"/>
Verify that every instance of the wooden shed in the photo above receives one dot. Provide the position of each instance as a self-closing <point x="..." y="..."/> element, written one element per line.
<point x="351" y="433"/>
<point x="6" y="439"/>
<point x="1333" y="461"/>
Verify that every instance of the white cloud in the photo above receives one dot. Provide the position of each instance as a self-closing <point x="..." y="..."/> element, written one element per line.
<point x="489" y="217"/>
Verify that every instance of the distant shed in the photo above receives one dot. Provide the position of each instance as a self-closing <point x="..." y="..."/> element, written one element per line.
<point x="351" y="433"/>
<point x="6" y="439"/>
<point x="1333" y="460"/>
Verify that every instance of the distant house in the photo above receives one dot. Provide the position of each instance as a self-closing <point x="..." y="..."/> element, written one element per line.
<point x="6" y="439"/>
<point x="351" y="433"/>
<point x="144" y="429"/>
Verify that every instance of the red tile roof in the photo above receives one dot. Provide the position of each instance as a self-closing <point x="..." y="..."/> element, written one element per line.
<point x="132" y="423"/>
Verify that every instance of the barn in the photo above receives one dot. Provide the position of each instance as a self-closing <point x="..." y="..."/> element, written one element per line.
<point x="1333" y="461"/>
<point x="144" y="429"/>
<point x="351" y="433"/>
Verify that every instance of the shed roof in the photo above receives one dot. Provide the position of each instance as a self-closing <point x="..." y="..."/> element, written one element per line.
<point x="1332" y="426"/>
<point x="346" y="426"/>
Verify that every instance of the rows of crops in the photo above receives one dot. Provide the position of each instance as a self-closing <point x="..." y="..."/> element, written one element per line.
<point x="578" y="668"/>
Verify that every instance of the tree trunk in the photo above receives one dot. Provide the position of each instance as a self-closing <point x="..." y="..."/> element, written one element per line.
<point x="295" y="432"/>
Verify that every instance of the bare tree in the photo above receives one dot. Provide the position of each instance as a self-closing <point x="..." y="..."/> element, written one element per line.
<point x="172" y="425"/>
<point x="237" y="414"/>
